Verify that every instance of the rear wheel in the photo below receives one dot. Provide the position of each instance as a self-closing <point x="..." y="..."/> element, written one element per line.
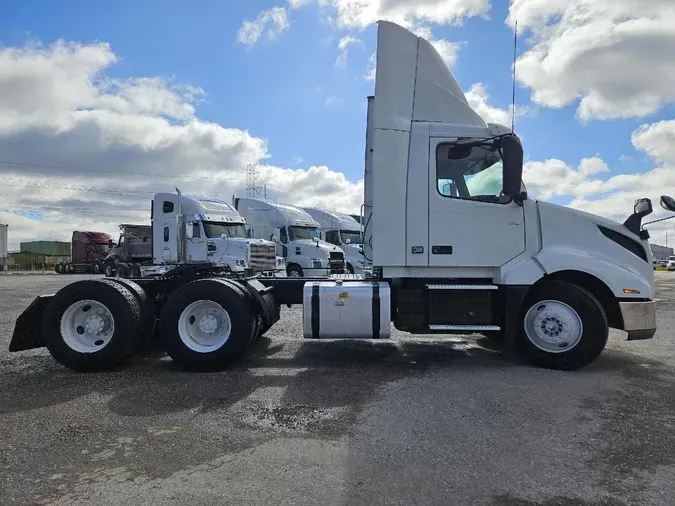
<point x="294" y="271"/>
<point x="109" y="269"/>
<point x="562" y="326"/>
<point x="207" y="324"/>
<point x="135" y="271"/>
<point x="122" y="270"/>
<point x="92" y="325"/>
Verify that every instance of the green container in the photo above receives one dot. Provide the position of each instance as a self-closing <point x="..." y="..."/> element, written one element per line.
<point x="59" y="248"/>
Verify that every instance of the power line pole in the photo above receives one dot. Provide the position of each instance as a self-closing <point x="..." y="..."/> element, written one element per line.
<point x="252" y="188"/>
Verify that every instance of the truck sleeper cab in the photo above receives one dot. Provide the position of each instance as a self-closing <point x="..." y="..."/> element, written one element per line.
<point x="88" y="251"/>
<point x="457" y="246"/>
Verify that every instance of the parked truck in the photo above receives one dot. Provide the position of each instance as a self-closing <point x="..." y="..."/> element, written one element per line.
<point x="215" y="234"/>
<point x="296" y="235"/>
<point x="481" y="257"/>
<point x="342" y="230"/>
<point x="88" y="251"/>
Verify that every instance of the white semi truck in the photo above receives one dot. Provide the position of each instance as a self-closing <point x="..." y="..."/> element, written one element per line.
<point x="214" y="232"/>
<point x="296" y="234"/>
<point x="456" y="243"/>
<point x="343" y="231"/>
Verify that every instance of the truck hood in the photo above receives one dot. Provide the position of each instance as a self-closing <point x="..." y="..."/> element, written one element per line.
<point x="309" y="245"/>
<point x="564" y="211"/>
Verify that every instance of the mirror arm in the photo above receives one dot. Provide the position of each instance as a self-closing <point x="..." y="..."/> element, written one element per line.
<point x="656" y="221"/>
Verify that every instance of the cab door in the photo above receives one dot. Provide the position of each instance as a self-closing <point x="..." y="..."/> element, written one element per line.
<point x="469" y="226"/>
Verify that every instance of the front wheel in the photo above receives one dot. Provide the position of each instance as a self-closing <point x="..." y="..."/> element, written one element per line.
<point x="562" y="326"/>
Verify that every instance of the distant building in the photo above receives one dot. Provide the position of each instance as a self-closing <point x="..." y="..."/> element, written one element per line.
<point x="55" y="248"/>
<point x="661" y="252"/>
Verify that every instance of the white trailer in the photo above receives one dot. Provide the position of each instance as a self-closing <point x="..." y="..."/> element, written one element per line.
<point x="190" y="229"/>
<point x="457" y="247"/>
<point x="344" y="231"/>
<point x="296" y="234"/>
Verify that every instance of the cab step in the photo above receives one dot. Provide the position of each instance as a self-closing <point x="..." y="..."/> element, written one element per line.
<point x="464" y="286"/>
<point x="465" y="328"/>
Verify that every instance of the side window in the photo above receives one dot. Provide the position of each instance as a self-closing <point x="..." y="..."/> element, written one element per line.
<point x="166" y="234"/>
<point x="469" y="172"/>
<point x="196" y="230"/>
<point x="332" y="237"/>
<point x="283" y="237"/>
<point x="167" y="207"/>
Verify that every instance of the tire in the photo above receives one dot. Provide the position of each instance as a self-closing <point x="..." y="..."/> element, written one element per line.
<point x="294" y="271"/>
<point x="135" y="271"/>
<point x="83" y="352"/>
<point x="122" y="270"/>
<point x="109" y="270"/>
<point x="57" y="268"/>
<point x="350" y="268"/>
<point x="495" y="336"/>
<point x="573" y="305"/>
<point x="96" y="268"/>
<point x="147" y="309"/>
<point x="236" y="332"/>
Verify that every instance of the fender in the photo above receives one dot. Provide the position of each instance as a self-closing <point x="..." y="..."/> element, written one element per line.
<point x="605" y="268"/>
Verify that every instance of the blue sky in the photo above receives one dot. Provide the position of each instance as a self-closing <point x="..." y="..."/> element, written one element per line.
<point x="279" y="88"/>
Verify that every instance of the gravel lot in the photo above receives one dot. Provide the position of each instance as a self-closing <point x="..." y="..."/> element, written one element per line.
<point x="412" y="421"/>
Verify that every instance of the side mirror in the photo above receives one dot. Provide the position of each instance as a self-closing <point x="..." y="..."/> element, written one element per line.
<point x="668" y="203"/>
<point x="348" y="241"/>
<point x="110" y="243"/>
<point x="512" y="160"/>
<point x="643" y="207"/>
<point x="274" y="238"/>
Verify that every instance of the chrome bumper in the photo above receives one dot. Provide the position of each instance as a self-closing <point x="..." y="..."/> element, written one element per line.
<point x="639" y="319"/>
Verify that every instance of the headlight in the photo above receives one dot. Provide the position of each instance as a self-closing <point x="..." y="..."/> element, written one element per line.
<point x="316" y="262"/>
<point x="240" y="262"/>
<point x="281" y="261"/>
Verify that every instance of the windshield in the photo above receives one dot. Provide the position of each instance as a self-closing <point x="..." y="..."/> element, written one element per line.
<point x="214" y="229"/>
<point x="100" y="248"/>
<point x="354" y="237"/>
<point x="297" y="233"/>
<point x="473" y="172"/>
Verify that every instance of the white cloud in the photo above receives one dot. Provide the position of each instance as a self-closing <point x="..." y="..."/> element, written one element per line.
<point x="657" y="140"/>
<point x="89" y="151"/>
<point x="478" y="97"/>
<point x="361" y="13"/>
<point x="613" y="57"/>
<point x="334" y="101"/>
<point x="343" y="48"/>
<point x="275" y="20"/>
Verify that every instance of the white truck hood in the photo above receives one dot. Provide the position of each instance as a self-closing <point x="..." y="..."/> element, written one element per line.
<point x="309" y="245"/>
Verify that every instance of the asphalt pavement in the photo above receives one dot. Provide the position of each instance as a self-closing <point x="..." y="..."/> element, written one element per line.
<point x="422" y="420"/>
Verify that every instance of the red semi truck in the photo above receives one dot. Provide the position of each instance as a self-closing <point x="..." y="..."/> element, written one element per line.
<point x="88" y="251"/>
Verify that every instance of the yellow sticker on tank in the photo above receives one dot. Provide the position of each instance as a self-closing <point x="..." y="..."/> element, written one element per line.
<point x="343" y="295"/>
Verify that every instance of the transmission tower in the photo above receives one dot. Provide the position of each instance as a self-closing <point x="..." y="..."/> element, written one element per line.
<point x="252" y="188"/>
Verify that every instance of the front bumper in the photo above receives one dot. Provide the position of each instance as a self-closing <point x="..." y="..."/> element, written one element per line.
<point x="639" y="319"/>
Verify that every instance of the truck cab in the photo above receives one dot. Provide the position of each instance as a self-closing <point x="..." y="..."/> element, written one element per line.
<point x="342" y="230"/>
<point x="88" y="251"/>
<point x="296" y="234"/>
<point x="214" y="232"/>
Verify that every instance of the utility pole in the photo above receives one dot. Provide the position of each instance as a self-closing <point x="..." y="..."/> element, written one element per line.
<point x="252" y="188"/>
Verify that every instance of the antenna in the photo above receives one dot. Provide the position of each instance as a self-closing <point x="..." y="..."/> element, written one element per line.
<point x="513" y="84"/>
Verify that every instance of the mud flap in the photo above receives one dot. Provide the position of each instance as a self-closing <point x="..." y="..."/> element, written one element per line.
<point x="28" y="328"/>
